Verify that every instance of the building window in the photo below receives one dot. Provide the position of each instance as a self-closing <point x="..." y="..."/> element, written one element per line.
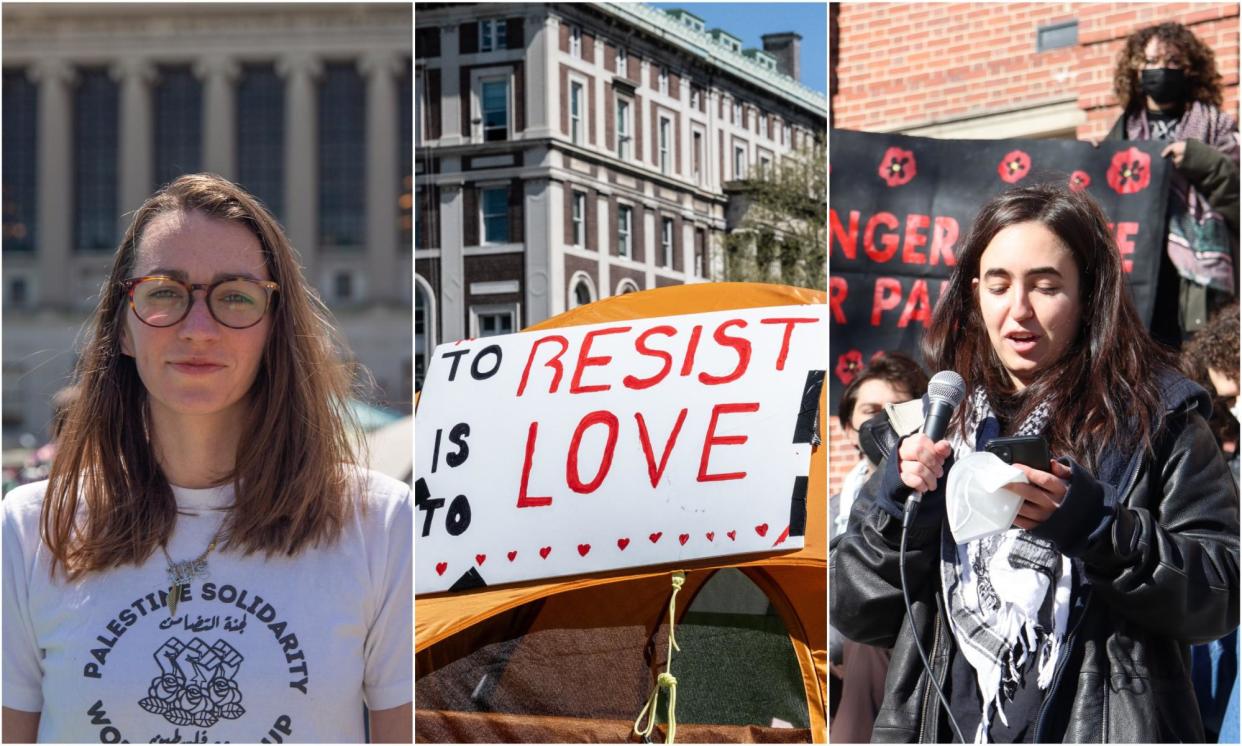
<point x="575" y="42"/>
<point x="583" y="291"/>
<point x="663" y="81"/>
<point x="739" y="162"/>
<point x="492" y="35"/>
<point x="496" y="215"/>
<point x="700" y="246"/>
<point x="737" y="114"/>
<point x="579" y="219"/>
<point x="666" y="242"/>
<point x="623" y="129"/>
<point x="575" y="112"/>
<point x="424" y="332"/>
<point x="495" y="94"/>
<point x="763" y="126"/>
<point x="261" y="135"/>
<point x="694" y="97"/>
<point x="698" y="157"/>
<point x="343" y="287"/>
<point x="488" y="321"/>
<point x="623" y="63"/>
<point x="20" y="142"/>
<point x="785" y="136"/>
<point x="342" y="157"/>
<point x="666" y="139"/>
<point x="627" y="286"/>
<point x="178" y="123"/>
<point x="625" y="234"/>
<point x="765" y="165"/>
<point x="95" y="125"/>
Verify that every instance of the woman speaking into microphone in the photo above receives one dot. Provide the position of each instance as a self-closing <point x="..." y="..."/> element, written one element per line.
<point x="1072" y="625"/>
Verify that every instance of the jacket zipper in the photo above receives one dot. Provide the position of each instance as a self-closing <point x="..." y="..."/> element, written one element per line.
<point x="927" y="690"/>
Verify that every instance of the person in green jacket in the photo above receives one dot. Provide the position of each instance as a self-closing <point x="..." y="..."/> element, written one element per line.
<point x="1168" y="85"/>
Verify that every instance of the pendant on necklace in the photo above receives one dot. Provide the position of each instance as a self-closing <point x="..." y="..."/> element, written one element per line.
<point x="183" y="573"/>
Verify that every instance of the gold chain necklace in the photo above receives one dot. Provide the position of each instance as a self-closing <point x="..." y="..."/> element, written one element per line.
<point x="182" y="573"/>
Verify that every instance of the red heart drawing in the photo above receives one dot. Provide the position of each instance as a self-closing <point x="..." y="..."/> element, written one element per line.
<point x="512" y="555"/>
<point x="732" y="535"/>
<point x="656" y="536"/>
<point x="762" y="529"/>
<point x="545" y="552"/>
<point x="583" y="549"/>
<point x="441" y="567"/>
<point x="683" y="539"/>
<point x="711" y="535"/>
<point x="622" y="544"/>
<point x="480" y="558"/>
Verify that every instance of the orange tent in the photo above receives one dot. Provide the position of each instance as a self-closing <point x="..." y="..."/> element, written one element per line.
<point x="574" y="660"/>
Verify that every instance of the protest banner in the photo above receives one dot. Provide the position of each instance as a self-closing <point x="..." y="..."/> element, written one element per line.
<point x="607" y="446"/>
<point x="900" y="207"/>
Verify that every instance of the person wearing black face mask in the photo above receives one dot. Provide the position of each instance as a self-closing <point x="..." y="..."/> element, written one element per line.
<point x="1167" y="81"/>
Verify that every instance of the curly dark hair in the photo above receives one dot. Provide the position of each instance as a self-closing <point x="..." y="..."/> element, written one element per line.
<point x="1214" y="346"/>
<point x="1202" y="79"/>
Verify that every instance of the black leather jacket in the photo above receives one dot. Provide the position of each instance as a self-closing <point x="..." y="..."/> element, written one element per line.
<point x="1157" y="548"/>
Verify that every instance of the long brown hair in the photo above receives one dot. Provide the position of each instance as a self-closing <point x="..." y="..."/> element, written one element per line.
<point x="108" y="502"/>
<point x="1104" y="390"/>
<point x="1203" y="82"/>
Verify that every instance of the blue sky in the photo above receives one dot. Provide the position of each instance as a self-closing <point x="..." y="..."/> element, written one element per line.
<point x="749" y="21"/>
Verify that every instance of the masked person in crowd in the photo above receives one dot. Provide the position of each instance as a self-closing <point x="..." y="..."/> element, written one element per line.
<point x="1167" y="82"/>
<point x="859" y="670"/>
<point x="1073" y="624"/>
<point x="206" y="563"/>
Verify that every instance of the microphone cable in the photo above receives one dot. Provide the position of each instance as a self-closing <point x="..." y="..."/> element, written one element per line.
<point x="911" y="509"/>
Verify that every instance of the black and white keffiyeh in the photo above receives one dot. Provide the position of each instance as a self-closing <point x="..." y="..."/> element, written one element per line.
<point x="1007" y="595"/>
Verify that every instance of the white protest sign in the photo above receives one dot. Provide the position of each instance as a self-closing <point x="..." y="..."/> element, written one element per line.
<point x="590" y="448"/>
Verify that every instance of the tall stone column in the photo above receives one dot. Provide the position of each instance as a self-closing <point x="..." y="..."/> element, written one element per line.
<point x="301" y="71"/>
<point x="219" y="75"/>
<point x="381" y="69"/>
<point x="135" y="161"/>
<point x="54" y="178"/>
<point x="452" y="264"/>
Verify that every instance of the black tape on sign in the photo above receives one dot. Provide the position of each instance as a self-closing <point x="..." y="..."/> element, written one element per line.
<point x="807" y="428"/>
<point x="797" y="507"/>
<point x="470" y="580"/>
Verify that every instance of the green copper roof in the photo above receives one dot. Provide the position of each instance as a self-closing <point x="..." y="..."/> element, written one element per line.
<point x="701" y="44"/>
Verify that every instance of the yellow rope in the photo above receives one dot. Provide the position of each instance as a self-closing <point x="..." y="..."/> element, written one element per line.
<point x="665" y="680"/>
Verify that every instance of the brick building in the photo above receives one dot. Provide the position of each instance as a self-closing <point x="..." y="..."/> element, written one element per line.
<point x="995" y="70"/>
<point x="569" y="152"/>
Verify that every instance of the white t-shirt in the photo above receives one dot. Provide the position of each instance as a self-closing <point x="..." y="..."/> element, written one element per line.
<point x="271" y="650"/>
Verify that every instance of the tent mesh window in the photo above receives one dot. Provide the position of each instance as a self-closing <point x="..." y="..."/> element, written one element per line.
<point x="593" y="653"/>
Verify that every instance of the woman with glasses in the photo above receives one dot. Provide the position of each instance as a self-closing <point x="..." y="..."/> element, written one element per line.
<point x="1167" y="82"/>
<point x="206" y="562"/>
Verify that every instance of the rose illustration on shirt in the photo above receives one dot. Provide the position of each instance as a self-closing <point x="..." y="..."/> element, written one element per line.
<point x="196" y="685"/>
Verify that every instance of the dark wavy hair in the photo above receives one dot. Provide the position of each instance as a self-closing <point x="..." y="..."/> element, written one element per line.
<point x="1104" y="389"/>
<point x="894" y="368"/>
<point x="1202" y="78"/>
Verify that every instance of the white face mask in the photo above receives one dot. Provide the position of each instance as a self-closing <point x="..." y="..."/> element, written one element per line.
<point x="976" y="499"/>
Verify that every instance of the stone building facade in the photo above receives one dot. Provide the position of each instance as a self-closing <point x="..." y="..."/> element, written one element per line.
<point x="306" y="105"/>
<point x="570" y="152"/>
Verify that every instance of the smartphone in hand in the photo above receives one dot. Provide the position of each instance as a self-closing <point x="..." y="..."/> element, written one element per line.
<point x="1031" y="450"/>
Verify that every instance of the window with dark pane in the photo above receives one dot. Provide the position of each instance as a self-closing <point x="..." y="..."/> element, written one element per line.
<point x="405" y="189"/>
<point x="261" y="135"/>
<point x="342" y="157"/>
<point x="178" y="123"/>
<point x="95" y="125"/>
<point x="19" y="148"/>
<point x="496" y="215"/>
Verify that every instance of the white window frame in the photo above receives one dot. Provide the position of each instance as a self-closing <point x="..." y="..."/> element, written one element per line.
<point x="581" y="278"/>
<point x="491" y="75"/>
<point x="765" y="164"/>
<point x="785" y="136"/>
<point x="739" y="162"/>
<point x="578" y="218"/>
<point x="737" y="114"/>
<point x="575" y="42"/>
<point x="623" y="63"/>
<point x="698" y="154"/>
<point x="763" y="126"/>
<point x="665" y="139"/>
<point x="662" y="81"/>
<point x="577" y="119"/>
<point x="625" y="238"/>
<point x="423" y="288"/>
<point x="483" y="190"/>
<point x="493" y="29"/>
<point x="694" y="98"/>
<point x="666" y="242"/>
<point x="513" y="310"/>
<point x="625" y="129"/>
<point x="627" y="283"/>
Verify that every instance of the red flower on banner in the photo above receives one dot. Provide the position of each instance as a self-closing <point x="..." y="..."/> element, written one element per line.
<point x="897" y="167"/>
<point x="1078" y="181"/>
<point x="848" y="366"/>
<point x="1014" y="166"/>
<point x="1130" y="171"/>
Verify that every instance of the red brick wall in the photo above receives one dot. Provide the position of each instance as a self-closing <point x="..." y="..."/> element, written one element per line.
<point x="841" y="455"/>
<point x="910" y="64"/>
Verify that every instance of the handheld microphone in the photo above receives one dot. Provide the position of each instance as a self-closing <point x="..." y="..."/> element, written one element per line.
<point x="945" y="392"/>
